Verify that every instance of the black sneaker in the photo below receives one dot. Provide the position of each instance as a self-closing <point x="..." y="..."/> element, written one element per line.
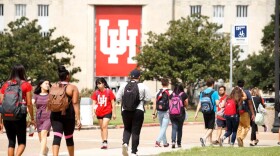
<point x="173" y="145"/>
<point x="202" y="142"/>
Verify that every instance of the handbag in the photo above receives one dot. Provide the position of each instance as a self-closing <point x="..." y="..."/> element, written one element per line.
<point x="259" y="118"/>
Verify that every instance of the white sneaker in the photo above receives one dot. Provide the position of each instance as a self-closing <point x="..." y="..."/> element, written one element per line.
<point x="133" y="154"/>
<point x="124" y="150"/>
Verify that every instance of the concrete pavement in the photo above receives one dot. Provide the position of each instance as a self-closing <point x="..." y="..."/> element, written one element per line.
<point x="88" y="141"/>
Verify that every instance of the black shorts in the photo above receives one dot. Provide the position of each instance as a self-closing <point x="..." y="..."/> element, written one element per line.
<point x="221" y="123"/>
<point x="109" y="116"/>
<point x="209" y="120"/>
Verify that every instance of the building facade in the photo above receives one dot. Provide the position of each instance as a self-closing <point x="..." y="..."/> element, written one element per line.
<point x="105" y="33"/>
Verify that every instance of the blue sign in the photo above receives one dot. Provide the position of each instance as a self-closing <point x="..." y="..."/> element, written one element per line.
<point x="240" y="31"/>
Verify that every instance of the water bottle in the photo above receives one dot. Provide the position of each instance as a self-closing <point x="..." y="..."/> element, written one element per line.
<point x="31" y="130"/>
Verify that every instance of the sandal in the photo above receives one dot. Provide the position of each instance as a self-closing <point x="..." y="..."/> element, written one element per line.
<point x="257" y="141"/>
<point x="278" y="143"/>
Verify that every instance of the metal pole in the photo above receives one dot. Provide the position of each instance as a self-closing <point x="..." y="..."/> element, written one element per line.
<point x="230" y="73"/>
<point x="276" y="57"/>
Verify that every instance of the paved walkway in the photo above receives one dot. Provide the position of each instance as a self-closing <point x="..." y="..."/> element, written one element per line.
<point x="88" y="142"/>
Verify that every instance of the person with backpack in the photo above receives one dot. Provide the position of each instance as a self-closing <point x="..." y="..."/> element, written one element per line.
<point x="132" y="95"/>
<point x="103" y="107"/>
<point x="208" y="100"/>
<point x="246" y="110"/>
<point x="64" y="105"/>
<point x="257" y="100"/>
<point x="231" y="114"/>
<point x="15" y="97"/>
<point x="40" y="99"/>
<point x="177" y="104"/>
<point x="161" y="109"/>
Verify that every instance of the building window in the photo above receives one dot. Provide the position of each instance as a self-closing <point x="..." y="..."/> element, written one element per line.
<point x="218" y="11"/>
<point x="1" y="10"/>
<point x="195" y="9"/>
<point x="43" y="10"/>
<point x="20" y="10"/>
<point x="241" y="10"/>
<point x="44" y="33"/>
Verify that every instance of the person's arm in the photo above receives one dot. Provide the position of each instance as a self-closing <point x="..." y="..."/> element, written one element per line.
<point x="154" y="109"/>
<point x="251" y="109"/>
<point x="1" y="121"/>
<point x="197" y="110"/>
<point x="30" y="107"/>
<point x="76" y="105"/>
<point x="113" y="108"/>
<point x="244" y="95"/>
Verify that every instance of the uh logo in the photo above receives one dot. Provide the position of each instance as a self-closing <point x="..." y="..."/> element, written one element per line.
<point x="118" y="46"/>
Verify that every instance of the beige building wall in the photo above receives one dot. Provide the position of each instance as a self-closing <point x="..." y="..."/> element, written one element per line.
<point x="75" y="19"/>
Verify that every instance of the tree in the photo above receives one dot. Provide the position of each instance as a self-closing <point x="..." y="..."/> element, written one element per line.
<point x="190" y="49"/>
<point x="23" y="44"/>
<point x="258" y="70"/>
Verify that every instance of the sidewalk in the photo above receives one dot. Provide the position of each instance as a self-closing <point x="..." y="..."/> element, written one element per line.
<point x="88" y="142"/>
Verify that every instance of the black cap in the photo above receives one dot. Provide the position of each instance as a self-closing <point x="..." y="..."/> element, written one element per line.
<point x="135" y="73"/>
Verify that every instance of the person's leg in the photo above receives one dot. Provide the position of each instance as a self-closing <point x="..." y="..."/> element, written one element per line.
<point x="235" y="125"/>
<point x="21" y="135"/>
<point x="279" y="136"/>
<point x="180" y="130"/>
<point x="11" y="135"/>
<point x="58" y="133"/>
<point x="69" y="127"/>
<point x="160" y="135"/>
<point x="105" y="124"/>
<point x="253" y="132"/>
<point x="100" y="122"/>
<point x="246" y="125"/>
<point x="136" y="129"/>
<point x="127" y="118"/>
<point x="43" y="140"/>
<point x="174" y="123"/>
<point x="165" y="123"/>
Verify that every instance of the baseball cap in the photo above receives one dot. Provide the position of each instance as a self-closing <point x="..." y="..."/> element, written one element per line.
<point x="135" y="73"/>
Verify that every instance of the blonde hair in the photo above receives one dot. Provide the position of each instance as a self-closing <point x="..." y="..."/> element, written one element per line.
<point x="255" y="92"/>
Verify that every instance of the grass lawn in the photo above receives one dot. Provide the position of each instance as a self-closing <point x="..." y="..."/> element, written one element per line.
<point x="148" y="117"/>
<point x="226" y="151"/>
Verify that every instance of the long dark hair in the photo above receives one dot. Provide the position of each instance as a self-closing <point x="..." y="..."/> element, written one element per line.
<point x="101" y="80"/>
<point x="62" y="73"/>
<point x="18" y="73"/>
<point x="178" y="88"/>
<point x="38" y="87"/>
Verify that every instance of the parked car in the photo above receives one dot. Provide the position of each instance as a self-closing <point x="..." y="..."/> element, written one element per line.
<point x="269" y="101"/>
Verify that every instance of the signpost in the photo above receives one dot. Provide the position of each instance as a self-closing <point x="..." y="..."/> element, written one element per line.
<point x="238" y="36"/>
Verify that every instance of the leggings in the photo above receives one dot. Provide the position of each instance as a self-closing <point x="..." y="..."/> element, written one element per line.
<point x="62" y="125"/>
<point x="16" y="129"/>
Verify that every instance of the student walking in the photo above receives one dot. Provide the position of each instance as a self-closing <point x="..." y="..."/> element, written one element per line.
<point x="232" y="104"/>
<point x="161" y="109"/>
<point x="133" y="95"/>
<point x="15" y="124"/>
<point x="103" y="107"/>
<point x="40" y="99"/>
<point x="220" y="121"/>
<point x="63" y="122"/>
<point x="177" y="113"/>
<point x="244" y="119"/>
<point x="209" y="98"/>
<point x="257" y="100"/>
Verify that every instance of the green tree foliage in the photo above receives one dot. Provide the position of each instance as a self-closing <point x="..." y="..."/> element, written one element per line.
<point x="23" y="44"/>
<point x="258" y="70"/>
<point x="190" y="49"/>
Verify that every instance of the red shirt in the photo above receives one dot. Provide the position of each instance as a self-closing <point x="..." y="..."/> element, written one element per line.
<point x="25" y="87"/>
<point x="223" y="98"/>
<point x="103" y="101"/>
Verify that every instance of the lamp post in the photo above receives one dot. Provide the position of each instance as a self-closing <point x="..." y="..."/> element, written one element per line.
<point x="276" y="51"/>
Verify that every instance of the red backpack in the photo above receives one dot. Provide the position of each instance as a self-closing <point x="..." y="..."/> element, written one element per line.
<point x="230" y="107"/>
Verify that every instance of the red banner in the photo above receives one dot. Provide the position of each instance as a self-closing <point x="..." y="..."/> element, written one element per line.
<point x="117" y="39"/>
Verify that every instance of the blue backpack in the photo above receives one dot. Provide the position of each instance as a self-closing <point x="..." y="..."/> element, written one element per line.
<point x="207" y="106"/>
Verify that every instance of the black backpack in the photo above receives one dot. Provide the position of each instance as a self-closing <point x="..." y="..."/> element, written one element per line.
<point x="130" y="98"/>
<point x="162" y="102"/>
<point x="12" y="106"/>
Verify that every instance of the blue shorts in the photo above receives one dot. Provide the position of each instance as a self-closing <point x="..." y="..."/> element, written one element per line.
<point x="109" y="116"/>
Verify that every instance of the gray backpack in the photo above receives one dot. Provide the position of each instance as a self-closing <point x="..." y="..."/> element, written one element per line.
<point x="12" y="106"/>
